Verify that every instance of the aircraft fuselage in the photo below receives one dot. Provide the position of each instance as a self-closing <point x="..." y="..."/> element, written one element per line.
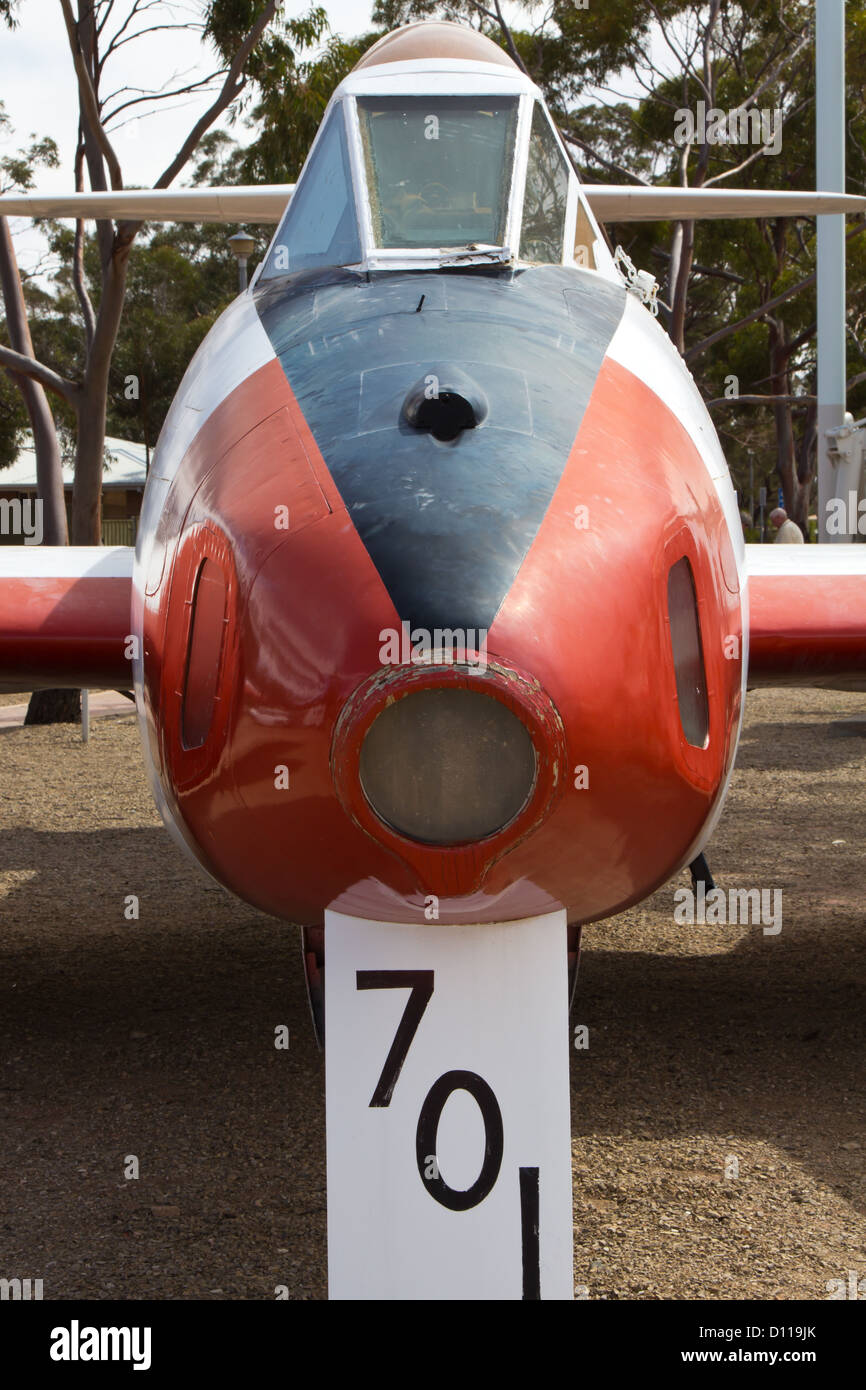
<point x="299" y="529"/>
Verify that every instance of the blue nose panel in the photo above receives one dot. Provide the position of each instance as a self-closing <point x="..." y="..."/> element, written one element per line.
<point x="447" y="524"/>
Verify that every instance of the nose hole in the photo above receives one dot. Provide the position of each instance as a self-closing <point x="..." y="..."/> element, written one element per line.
<point x="444" y="416"/>
<point x="443" y="410"/>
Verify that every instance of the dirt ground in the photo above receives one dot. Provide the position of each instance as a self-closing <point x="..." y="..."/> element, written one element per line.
<point x="712" y="1050"/>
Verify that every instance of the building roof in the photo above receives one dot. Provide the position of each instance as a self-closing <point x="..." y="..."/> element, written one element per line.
<point x="127" y="468"/>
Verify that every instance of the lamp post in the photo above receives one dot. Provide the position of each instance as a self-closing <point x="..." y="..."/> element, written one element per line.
<point x="242" y="247"/>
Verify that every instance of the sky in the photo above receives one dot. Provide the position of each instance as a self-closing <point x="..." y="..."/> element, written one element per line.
<point x="37" y="84"/>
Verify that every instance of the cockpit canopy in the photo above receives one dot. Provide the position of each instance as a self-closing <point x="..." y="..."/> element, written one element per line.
<point x="417" y="179"/>
<point x="438" y="174"/>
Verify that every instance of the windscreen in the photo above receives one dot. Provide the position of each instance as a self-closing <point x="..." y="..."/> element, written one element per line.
<point x="320" y="227"/>
<point x="546" y="196"/>
<point x="438" y="168"/>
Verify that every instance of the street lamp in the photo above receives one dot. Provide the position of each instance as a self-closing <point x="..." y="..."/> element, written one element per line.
<point x="242" y="247"/>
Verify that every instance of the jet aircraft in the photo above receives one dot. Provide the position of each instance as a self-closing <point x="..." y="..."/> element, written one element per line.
<point x="440" y="593"/>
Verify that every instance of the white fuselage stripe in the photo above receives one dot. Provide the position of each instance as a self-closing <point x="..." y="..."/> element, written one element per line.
<point x="66" y="561"/>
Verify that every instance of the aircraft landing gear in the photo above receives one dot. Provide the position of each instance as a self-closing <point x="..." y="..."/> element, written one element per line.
<point x="574" y="935"/>
<point x="313" y="952"/>
<point x="700" y="872"/>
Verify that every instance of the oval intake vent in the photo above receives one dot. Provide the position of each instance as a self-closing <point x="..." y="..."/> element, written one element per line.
<point x="445" y="406"/>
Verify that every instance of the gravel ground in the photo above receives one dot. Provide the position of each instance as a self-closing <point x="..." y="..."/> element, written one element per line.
<point x="710" y="1048"/>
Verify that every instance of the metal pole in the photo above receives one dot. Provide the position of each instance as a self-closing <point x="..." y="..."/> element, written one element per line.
<point x="85" y="716"/>
<point x="830" y="177"/>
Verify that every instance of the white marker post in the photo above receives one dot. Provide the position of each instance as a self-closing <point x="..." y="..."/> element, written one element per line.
<point x="830" y="178"/>
<point x="448" y="1110"/>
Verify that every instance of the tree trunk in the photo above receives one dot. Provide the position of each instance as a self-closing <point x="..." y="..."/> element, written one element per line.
<point x="49" y="477"/>
<point x="680" y="299"/>
<point x="54" y="707"/>
<point x="93" y="402"/>
<point x="674" y="262"/>
<point x="46" y="706"/>
<point x="89" y="456"/>
<point x="806" y="468"/>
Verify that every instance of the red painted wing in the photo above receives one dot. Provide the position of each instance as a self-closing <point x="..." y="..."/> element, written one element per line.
<point x="807" y="615"/>
<point x="65" y="617"/>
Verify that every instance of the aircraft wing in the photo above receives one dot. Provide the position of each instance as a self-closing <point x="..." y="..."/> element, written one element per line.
<point x="267" y="202"/>
<point x="630" y="202"/>
<point x="65" y="617"/>
<point x="244" y="203"/>
<point x="807" y="615"/>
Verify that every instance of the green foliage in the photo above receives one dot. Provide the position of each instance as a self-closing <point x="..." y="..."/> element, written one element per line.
<point x="273" y="60"/>
<point x="18" y="169"/>
<point x="289" y="111"/>
<point x="13" y="417"/>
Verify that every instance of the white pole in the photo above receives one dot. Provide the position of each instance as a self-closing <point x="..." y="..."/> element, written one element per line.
<point x="830" y="176"/>
<point x="85" y="716"/>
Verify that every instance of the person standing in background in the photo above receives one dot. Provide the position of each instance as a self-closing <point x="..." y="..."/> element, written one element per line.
<point x="787" y="532"/>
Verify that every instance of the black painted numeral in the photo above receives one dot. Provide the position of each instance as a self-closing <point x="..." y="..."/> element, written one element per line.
<point x="529" y="1218"/>
<point x="428" y="1129"/>
<point x="420" y="986"/>
<point x="420" y="982"/>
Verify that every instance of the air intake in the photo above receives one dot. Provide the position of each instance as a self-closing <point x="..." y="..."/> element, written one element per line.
<point x="445" y="407"/>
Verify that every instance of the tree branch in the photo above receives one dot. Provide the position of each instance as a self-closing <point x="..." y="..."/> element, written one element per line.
<point x="605" y="163"/>
<point x="758" y="313"/>
<point x="231" y="88"/>
<point x="141" y="33"/>
<point x="202" y="82"/>
<point x="497" y="18"/>
<point x="763" y="308"/>
<point x="28" y="366"/>
<point x="87" y="98"/>
<point x="715" y="271"/>
<point x="78" y="254"/>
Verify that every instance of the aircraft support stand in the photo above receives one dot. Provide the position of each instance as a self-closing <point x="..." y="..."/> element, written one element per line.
<point x="448" y="1110"/>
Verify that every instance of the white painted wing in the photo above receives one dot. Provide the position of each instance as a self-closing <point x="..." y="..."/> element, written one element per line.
<point x="634" y="203"/>
<point x="244" y="203"/>
<point x="267" y="203"/>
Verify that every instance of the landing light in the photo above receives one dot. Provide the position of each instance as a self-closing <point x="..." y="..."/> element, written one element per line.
<point x="448" y="766"/>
